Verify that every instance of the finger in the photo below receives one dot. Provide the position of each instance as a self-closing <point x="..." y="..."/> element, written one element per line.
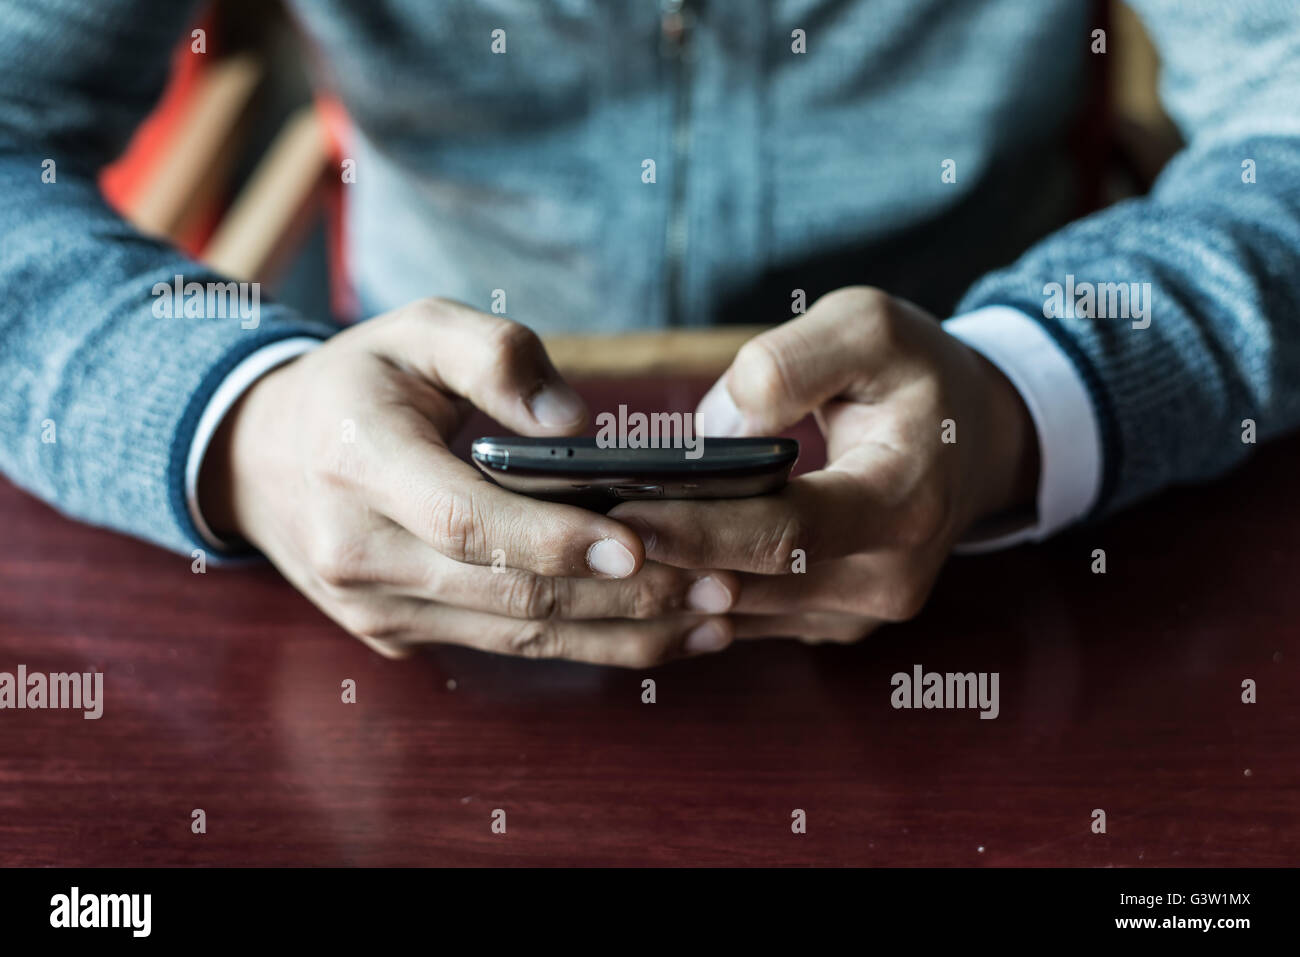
<point x="815" y="518"/>
<point x="418" y="571"/>
<point x="891" y="586"/>
<point x="449" y="505"/>
<point x="497" y="364"/>
<point x="388" y="649"/>
<point x="628" y="644"/>
<point x="811" y="627"/>
<point x="780" y="376"/>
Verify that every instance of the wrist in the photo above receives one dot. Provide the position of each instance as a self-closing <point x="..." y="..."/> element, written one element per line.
<point x="223" y="478"/>
<point x="1012" y="465"/>
<point x="216" y="481"/>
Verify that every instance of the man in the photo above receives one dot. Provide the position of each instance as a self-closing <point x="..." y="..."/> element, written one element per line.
<point x="620" y="165"/>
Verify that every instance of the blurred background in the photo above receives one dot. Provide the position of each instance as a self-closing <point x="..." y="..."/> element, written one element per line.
<point x="239" y="164"/>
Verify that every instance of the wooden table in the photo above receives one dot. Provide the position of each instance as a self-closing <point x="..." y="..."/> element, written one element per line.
<point x="1119" y="691"/>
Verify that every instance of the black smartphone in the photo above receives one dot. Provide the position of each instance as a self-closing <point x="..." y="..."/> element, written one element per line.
<point x="581" y="472"/>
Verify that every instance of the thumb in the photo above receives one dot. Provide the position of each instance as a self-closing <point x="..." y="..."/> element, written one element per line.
<point x="780" y="376"/>
<point x="500" y="366"/>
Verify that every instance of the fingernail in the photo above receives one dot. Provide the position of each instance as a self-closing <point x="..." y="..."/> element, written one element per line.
<point x="706" y="638"/>
<point x="555" y="406"/>
<point x="609" y="557"/>
<point x="708" y="595"/>
<point x="719" y="415"/>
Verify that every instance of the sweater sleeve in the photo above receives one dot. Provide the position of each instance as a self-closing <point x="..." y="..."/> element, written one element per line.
<point x="1181" y="309"/>
<point x="104" y="383"/>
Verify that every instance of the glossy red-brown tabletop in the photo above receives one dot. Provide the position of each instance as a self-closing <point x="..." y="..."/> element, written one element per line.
<point x="1119" y="691"/>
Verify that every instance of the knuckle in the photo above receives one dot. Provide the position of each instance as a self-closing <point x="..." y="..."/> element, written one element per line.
<point x="453" y="524"/>
<point x="432" y="305"/>
<point x="433" y="581"/>
<point x="341" y="563"/>
<point x="863" y="299"/>
<point x="813" y="636"/>
<point x="651" y="599"/>
<point x="761" y="366"/>
<point x="923" y="517"/>
<point x="773" y="548"/>
<point x="852" y="633"/>
<point x="336" y="464"/>
<point x="883" y="324"/>
<point x="514" y="343"/>
<point x="369" y="620"/>
<point x="531" y="596"/>
<point x="837" y="629"/>
<point x="388" y="649"/>
<point x="418" y="317"/>
<point x="537" y="639"/>
<point x="902" y="601"/>
<point x="430" y="308"/>
<point x="930" y="391"/>
<point x="872" y="299"/>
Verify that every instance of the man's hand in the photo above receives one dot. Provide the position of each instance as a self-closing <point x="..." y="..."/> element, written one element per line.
<point x="887" y="385"/>
<point x="336" y="466"/>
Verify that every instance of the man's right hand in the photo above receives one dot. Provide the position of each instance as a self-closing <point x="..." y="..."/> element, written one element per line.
<point x="337" y="467"/>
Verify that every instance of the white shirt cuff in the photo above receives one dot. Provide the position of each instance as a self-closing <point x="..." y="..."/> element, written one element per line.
<point x="234" y="385"/>
<point x="1069" y="437"/>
